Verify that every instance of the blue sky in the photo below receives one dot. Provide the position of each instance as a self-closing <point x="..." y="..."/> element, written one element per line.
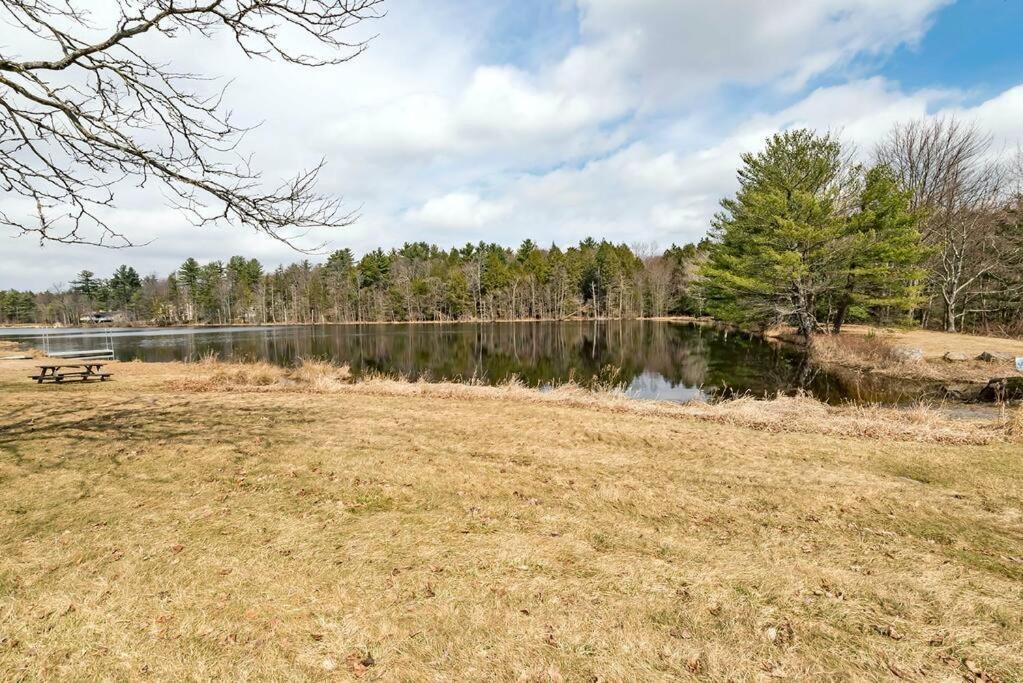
<point x="973" y="45"/>
<point x="503" y="120"/>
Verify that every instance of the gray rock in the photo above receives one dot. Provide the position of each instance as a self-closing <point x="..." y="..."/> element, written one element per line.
<point x="996" y="357"/>
<point x="961" y="392"/>
<point x="1003" y="389"/>
<point x="906" y="354"/>
<point x="956" y="357"/>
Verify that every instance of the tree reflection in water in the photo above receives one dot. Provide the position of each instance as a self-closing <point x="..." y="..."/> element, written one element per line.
<point x="652" y="359"/>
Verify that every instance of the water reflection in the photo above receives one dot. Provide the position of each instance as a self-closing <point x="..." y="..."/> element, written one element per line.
<point x="672" y="361"/>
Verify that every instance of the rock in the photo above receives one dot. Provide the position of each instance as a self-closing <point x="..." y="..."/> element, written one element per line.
<point x="1003" y="389"/>
<point x="906" y="354"/>
<point x="996" y="357"/>
<point x="961" y="392"/>
<point x="956" y="357"/>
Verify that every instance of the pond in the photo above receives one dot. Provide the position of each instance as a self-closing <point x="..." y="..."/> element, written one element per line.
<point x="651" y="359"/>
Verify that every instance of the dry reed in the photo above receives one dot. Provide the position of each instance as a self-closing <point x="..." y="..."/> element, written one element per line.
<point x="782" y="414"/>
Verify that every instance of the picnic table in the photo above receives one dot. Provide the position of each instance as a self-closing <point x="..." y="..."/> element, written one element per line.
<point x="58" y="373"/>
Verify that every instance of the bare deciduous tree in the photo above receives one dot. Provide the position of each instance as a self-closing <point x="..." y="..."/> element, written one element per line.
<point x="950" y="169"/>
<point x="77" y="124"/>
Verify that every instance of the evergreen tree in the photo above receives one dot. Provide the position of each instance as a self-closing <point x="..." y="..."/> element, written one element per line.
<point x="85" y="283"/>
<point x="123" y="285"/>
<point x="782" y="244"/>
<point x="884" y="272"/>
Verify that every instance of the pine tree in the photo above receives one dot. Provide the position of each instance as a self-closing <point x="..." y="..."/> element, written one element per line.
<point x="781" y="244"/>
<point x="885" y="271"/>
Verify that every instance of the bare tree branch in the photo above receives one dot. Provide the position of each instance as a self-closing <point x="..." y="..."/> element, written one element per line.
<point x="76" y="126"/>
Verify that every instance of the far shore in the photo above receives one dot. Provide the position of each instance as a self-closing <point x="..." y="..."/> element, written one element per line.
<point x="461" y="321"/>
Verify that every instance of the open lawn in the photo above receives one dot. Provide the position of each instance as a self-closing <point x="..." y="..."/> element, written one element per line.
<point x="179" y="523"/>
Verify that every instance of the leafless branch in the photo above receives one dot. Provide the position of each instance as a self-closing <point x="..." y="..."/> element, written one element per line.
<point x="75" y="126"/>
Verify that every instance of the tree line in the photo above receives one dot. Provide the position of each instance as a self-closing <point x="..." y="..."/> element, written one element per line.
<point x="928" y="231"/>
<point x="417" y="282"/>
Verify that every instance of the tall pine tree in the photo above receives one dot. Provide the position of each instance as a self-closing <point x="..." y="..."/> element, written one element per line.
<point x="781" y="244"/>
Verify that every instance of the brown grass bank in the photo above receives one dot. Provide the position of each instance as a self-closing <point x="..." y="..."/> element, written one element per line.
<point x="197" y="522"/>
<point x="876" y="351"/>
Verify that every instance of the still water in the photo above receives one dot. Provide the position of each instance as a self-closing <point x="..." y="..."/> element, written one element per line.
<point x="651" y="359"/>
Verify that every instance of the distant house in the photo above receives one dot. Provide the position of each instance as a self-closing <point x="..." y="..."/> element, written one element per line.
<point x="98" y="317"/>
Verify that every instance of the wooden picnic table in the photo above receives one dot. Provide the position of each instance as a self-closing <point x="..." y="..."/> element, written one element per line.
<point x="59" y="372"/>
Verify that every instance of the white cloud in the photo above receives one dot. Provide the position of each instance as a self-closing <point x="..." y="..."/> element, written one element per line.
<point x="687" y="46"/>
<point x="457" y="211"/>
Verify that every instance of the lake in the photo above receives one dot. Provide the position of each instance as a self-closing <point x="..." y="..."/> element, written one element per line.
<point x="652" y="359"/>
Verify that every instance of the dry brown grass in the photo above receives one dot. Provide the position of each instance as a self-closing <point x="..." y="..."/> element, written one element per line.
<point x="9" y="348"/>
<point x="936" y="344"/>
<point x="784" y="414"/>
<point x="309" y="375"/>
<point x="856" y="350"/>
<point x="875" y="352"/>
<point x="396" y="531"/>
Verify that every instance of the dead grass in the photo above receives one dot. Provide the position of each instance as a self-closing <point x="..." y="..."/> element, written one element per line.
<point x="856" y="349"/>
<point x="12" y="348"/>
<point x="936" y="344"/>
<point x="784" y="414"/>
<point x="876" y="352"/>
<point x="404" y="531"/>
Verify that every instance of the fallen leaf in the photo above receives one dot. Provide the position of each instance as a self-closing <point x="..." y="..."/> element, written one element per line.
<point x="358" y="663"/>
<point x="888" y="631"/>
<point x="550" y="639"/>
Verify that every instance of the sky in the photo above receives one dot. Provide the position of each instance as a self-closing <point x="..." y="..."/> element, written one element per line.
<point x="501" y="120"/>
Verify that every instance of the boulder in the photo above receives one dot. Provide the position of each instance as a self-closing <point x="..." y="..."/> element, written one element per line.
<point x="906" y="354"/>
<point x="961" y="392"/>
<point x="956" y="357"/>
<point x="1003" y="389"/>
<point x="996" y="357"/>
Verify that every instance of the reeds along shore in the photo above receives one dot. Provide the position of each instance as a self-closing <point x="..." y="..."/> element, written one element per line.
<point x="783" y="414"/>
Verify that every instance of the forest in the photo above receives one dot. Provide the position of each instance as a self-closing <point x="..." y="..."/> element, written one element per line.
<point x="417" y="282"/>
<point x="928" y="231"/>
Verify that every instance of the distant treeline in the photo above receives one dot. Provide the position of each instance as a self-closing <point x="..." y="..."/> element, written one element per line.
<point x="929" y="232"/>
<point x="417" y="282"/>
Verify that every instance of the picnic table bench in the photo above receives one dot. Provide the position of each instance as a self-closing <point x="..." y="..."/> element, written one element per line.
<point x="58" y="373"/>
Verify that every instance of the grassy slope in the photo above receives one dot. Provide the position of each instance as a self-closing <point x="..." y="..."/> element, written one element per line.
<point x="289" y="535"/>
<point x="936" y="344"/>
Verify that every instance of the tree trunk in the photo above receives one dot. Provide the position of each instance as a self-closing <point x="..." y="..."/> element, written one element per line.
<point x="843" y="305"/>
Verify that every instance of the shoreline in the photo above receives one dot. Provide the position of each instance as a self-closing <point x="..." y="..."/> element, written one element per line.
<point x="348" y="323"/>
<point x="860" y="350"/>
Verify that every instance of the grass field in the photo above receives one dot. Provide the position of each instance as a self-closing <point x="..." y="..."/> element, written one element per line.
<point x="199" y="522"/>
